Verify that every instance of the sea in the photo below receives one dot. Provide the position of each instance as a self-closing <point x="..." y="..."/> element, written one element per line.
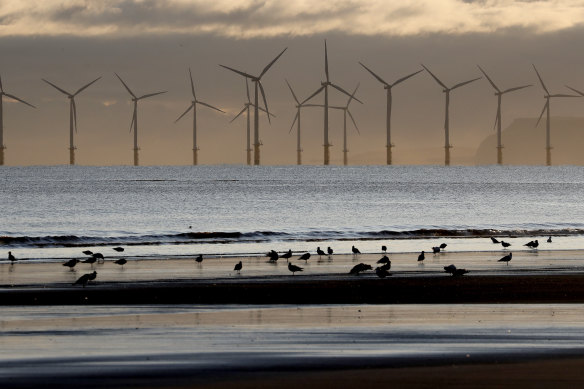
<point x="53" y="212"/>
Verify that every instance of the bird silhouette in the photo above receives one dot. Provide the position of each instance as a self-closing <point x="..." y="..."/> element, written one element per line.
<point x="71" y="263"/>
<point x="329" y="251"/>
<point x="505" y="244"/>
<point x="355" y="250"/>
<point x="294" y="268"/>
<point x="384" y="248"/>
<point x="287" y="255"/>
<point x="199" y="258"/>
<point x="87" y="252"/>
<point x="273" y="256"/>
<point x="435" y="250"/>
<point x="494" y="240"/>
<point x="305" y="257"/>
<point x="421" y="257"/>
<point x="90" y="260"/>
<point x="121" y="262"/>
<point x="11" y="257"/>
<point x="459" y="272"/>
<point x="443" y="246"/>
<point x="506" y="258"/>
<point x="84" y="279"/>
<point x="533" y="244"/>
<point x="99" y="256"/>
<point x="119" y="249"/>
<point x="360" y="268"/>
<point x="450" y="269"/>
<point x="381" y="272"/>
<point x="549" y="240"/>
<point x="384" y="259"/>
<point x="320" y="252"/>
<point x="238" y="267"/>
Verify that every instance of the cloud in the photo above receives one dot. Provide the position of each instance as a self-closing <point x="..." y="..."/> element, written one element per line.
<point x="245" y="19"/>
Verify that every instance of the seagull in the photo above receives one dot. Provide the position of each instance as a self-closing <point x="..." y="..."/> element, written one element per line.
<point x="450" y="269"/>
<point x="494" y="240"/>
<point x="273" y="256"/>
<point x="11" y="257"/>
<point x="505" y="244"/>
<point x="421" y="257"/>
<point x="320" y="252"/>
<point x="287" y="255"/>
<point x="294" y="268"/>
<point x="459" y="272"/>
<point x="435" y="250"/>
<point x="549" y="240"/>
<point x="98" y="256"/>
<point x="121" y="262"/>
<point x="443" y="245"/>
<point x="381" y="272"/>
<point x="384" y="248"/>
<point x="532" y="244"/>
<point x="238" y="267"/>
<point x="355" y="250"/>
<point x="329" y="251"/>
<point x="71" y="263"/>
<point x="304" y="257"/>
<point x="384" y="259"/>
<point x="119" y="249"/>
<point x="84" y="279"/>
<point x="87" y="252"/>
<point x="506" y="258"/>
<point x="90" y="260"/>
<point x="360" y="268"/>
<point x="199" y="258"/>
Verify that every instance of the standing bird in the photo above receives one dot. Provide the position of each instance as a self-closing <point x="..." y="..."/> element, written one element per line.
<point x="421" y="257"/>
<point x="329" y="251"/>
<point x="71" y="263"/>
<point x="99" y="256"/>
<point x="494" y="240"/>
<point x="11" y="257"/>
<point x="287" y="255"/>
<point x="273" y="256"/>
<point x="384" y="248"/>
<point x="382" y="272"/>
<point x="119" y="249"/>
<point x="506" y="258"/>
<point x="320" y="252"/>
<point x="505" y="244"/>
<point x="199" y="258"/>
<point x="304" y="257"/>
<point x="84" y="279"/>
<point x="450" y="269"/>
<point x="121" y="262"/>
<point x="238" y="267"/>
<point x="294" y="268"/>
<point x="435" y="250"/>
<point x="384" y="259"/>
<point x="360" y="268"/>
<point x="87" y="252"/>
<point x="355" y="250"/>
<point x="459" y="272"/>
<point x="532" y="244"/>
<point x="443" y="245"/>
<point x="549" y="240"/>
<point x="91" y="260"/>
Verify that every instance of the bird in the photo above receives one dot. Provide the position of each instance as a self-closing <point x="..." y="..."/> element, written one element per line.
<point x="459" y="272"/>
<point x="421" y="257"/>
<point x="329" y="251"/>
<point x="443" y="245"/>
<point x="450" y="269"/>
<point x="238" y="267"/>
<point x="320" y="252"/>
<point x="294" y="268"/>
<point x="435" y="250"/>
<point x="532" y="244"/>
<point x="381" y="272"/>
<point x="384" y="259"/>
<point x="84" y="279"/>
<point x="87" y="252"/>
<point x="360" y="268"/>
<point x="386" y="266"/>
<point x="287" y="255"/>
<point x="119" y="249"/>
<point x="98" y="256"/>
<point x="355" y="250"/>
<point x="71" y="263"/>
<point x="273" y="256"/>
<point x="505" y="244"/>
<point x="549" y="240"/>
<point x="121" y="262"/>
<point x="506" y="258"/>
<point x="11" y="257"/>
<point x="305" y="257"/>
<point x="494" y="240"/>
<point x="199" y="258"/>
<point x="91" y="260"/>
<point x="384" y="248"/>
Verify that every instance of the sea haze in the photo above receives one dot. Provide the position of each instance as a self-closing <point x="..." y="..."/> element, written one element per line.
<point x="51" y="212"/>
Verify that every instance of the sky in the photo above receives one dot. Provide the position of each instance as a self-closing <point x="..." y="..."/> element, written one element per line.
<point x="151" y="45"/>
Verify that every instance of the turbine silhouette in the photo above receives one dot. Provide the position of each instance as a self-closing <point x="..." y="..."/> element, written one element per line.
<point x="2" y="94"/>
<point x="72" y="115"/>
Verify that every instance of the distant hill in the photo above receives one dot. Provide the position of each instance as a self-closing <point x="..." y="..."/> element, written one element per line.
<point x="524" y="144"/>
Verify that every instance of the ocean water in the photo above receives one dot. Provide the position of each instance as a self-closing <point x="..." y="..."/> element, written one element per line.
<point x="55" y="212"/>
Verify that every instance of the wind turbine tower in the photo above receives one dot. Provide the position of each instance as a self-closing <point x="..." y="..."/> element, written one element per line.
<point x="134" y="122"/>
<point x="499" y="95"/>
<point x="193" y="106"/>
<point x="257" y="85"/>
<point x="447" y="90"/>
<point x="2" y="94"/>
<point x="546" y="108"/>
<point x="387" y="86"/>
<point x="72" y="115"/>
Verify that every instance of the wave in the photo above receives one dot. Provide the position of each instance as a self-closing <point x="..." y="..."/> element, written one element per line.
<point x="267" y="236"/>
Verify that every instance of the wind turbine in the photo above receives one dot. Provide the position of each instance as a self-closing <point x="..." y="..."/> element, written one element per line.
<point x="246" y="109"/>
<point x="499" y="95"/>
<point x="324" y="86"/>
<point x="2" y="94"/>
<point x="546" y="107"/>
<point x="134" y="121"/>
<point x="387" y="87"/>
<point x="72" y="115"/>
<point x="193" y="106"/>
<point x="447" y="90"/>
<point x="257" y="85"/>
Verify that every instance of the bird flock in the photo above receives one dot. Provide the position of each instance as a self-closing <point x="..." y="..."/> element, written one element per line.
<point x="382" y="270"/>
<point x="324" y="86"/>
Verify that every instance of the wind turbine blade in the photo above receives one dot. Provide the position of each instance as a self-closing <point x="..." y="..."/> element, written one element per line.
<point x="569" y="87"/>
<point x="352" y="96"/>
<point x="263" y="110"/>
<point x="381" y="80"/>
<point x="238" y="72"/>
<point x="540" y="80"/>
<point x="563" y="95"/>
<point x="133" y="118"/>
<point x="126" y="86"/>
<point x="434" y="77"/>
<point x="150" y="95"/>
<point x="83" y="87"/>
<point x="464" y="83"/>
<point x="185" y="112"/>
<point x="542" y="111"/>
<point x="56" y="87"/>
<point x="293" y="121"/>
<point x="497" y="117"/>
<point x="489" y="78"/>
<point x="265" y="101"/>
<point x="293" y="94"/>
<point x="326" y="61"/>
<point x="406" y="77"/>
<point x="516" y="88"/>
<point x="312" y="95"/>
<point x="192" y="84"/>
<point x="315" y="105"/>
<point x="1" y="87"/>
<point x="345" y="92"/>
<point x="17" y="99"/>
<point x="268" y="66"/>
<point x="210" y="106"/>
<point x="239" y="114"/>
<point x="247" y="90"/>
<point x="74" y="114"/>
<point x="353" y="120"/>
